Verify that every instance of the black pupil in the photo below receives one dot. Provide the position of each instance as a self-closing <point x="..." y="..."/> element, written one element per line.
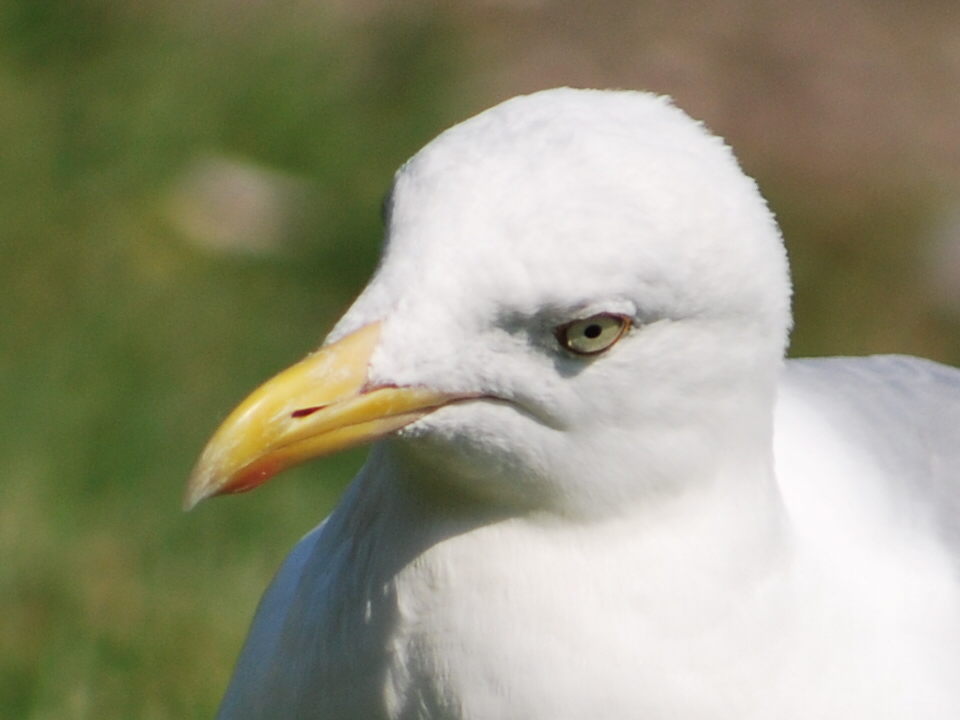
<point x="592" y="331"/>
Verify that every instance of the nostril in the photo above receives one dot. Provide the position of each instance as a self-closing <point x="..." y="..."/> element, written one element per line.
<point x="304" y="412"/>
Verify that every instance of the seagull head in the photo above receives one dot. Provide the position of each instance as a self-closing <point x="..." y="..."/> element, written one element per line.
<point x="582" y="301"/>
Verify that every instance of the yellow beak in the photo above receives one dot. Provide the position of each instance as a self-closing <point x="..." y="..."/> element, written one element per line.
<point x="317" y="407"/>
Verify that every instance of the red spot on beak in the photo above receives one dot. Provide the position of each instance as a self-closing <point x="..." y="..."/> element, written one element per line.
<point x="304" y="412"/>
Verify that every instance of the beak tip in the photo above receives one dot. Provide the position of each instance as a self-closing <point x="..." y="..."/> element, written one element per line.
<point x="211" y="478"/>
<point x="208" y="478"/>
<point x="197" y="491"/>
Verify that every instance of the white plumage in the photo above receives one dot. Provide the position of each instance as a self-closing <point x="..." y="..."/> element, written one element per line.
<point x="678" y="527"/>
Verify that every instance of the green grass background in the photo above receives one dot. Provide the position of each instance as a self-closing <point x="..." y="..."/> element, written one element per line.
<point x="122" y="343"/>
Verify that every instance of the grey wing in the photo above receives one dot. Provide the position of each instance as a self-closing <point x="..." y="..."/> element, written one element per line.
<point x="318" y="642"/>
<point x="256" y="668"/>
<point x="906" y="412"/>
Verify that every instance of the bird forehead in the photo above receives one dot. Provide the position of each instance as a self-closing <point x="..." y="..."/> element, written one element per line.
<point x="493" y="251"/>
<point x="576" y="183"/>
<point x="564" y="198"/>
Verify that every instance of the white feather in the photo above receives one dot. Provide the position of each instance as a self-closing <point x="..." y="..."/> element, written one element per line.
<point x="649" y="533"/>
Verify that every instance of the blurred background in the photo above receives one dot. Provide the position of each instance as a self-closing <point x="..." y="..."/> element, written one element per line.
<point x="189" y="196"/>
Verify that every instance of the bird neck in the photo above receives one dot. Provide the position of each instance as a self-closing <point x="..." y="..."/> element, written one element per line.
<point x="729" y="521"/>
<point x="685" y="577"/>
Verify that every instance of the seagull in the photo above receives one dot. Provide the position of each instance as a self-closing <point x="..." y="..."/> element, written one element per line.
<point x="596" y="488"/>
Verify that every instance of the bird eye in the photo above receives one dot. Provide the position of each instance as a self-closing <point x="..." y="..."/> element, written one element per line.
<point x="594" y="334"/>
